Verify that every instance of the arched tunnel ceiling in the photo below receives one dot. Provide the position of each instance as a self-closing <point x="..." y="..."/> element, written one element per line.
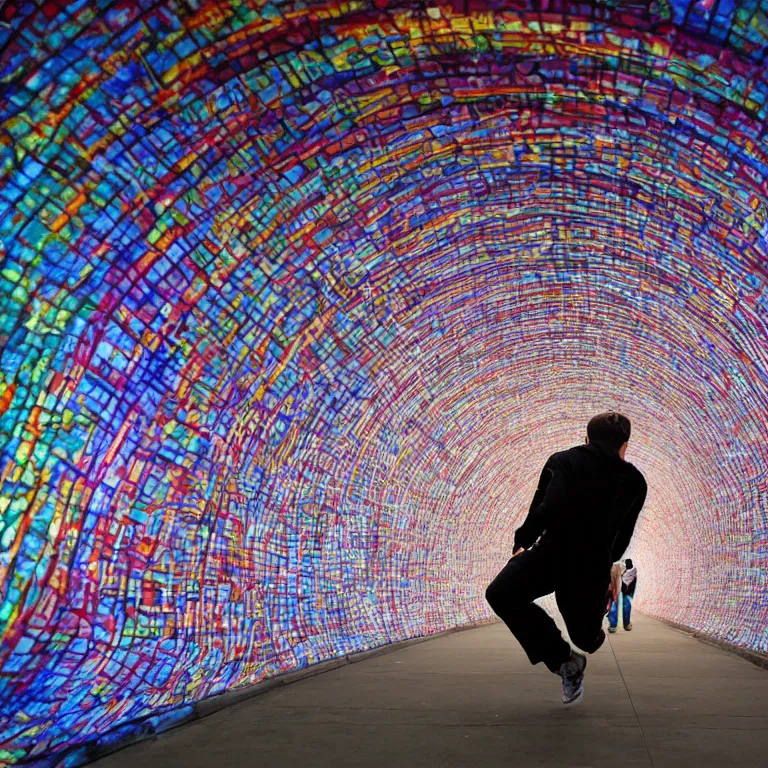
<point x="297" y="297"/>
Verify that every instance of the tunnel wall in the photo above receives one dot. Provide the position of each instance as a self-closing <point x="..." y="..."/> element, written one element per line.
<point x="297" y="298"/>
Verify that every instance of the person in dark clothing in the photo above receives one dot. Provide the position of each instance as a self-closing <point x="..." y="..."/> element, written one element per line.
<point x="613" y="608"/>
<point x="580" y="521"/>
<point x="628" y="584"/>
<point x="627" y="580"/>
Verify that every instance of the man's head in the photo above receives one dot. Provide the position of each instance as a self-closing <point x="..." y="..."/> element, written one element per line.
<point x="610" y="431"/>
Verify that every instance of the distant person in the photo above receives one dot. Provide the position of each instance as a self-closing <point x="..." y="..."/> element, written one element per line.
<point x="580" y="521"/>
<point x="617" y="571"/>
<point x="628" y="584"/>
<point x="613" y="601"/>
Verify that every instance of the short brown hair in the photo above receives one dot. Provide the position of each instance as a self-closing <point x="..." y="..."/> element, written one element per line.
<point x="610" y="430"/>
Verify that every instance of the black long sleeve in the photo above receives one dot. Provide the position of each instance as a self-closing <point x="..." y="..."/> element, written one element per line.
<point x="548" y="502"/>
<point x="588" y="501"/>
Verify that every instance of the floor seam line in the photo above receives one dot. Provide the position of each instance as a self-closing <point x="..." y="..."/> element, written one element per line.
<point x="626" y="688"/>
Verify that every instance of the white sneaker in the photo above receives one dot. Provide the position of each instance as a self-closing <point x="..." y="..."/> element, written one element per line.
<point x="572" y="673"/>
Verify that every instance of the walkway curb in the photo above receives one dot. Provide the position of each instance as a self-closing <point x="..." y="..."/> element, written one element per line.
<point x="101" y="746"/>
<point x="755" y="657"/>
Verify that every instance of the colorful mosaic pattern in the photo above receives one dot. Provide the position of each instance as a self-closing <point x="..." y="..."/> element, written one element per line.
<point x="297" y="296"/>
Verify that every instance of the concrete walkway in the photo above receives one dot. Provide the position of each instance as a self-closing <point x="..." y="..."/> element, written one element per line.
<point x="654" y="697"/>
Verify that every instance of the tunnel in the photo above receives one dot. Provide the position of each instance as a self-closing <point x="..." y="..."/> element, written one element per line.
<point x="298" y="296"/>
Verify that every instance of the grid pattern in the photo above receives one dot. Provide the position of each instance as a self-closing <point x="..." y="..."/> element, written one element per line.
<point x="295" y="298"/>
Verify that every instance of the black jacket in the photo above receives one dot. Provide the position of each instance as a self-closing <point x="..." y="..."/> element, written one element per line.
<point x="584" y="509"/>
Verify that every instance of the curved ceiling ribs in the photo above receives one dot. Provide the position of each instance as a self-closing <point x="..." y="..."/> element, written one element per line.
<point x="296" y="297"/>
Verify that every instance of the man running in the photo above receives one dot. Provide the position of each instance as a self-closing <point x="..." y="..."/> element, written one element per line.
<point x="580" y="521"/>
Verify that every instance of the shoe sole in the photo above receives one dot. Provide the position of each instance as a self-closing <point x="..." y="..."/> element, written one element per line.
<point x="577" y="699"/>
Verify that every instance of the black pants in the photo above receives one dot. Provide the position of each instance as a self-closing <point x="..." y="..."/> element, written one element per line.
<point x="581" y="601"/>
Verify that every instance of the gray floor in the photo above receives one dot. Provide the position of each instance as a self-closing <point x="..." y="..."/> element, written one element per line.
<point x="654" y="697"/>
